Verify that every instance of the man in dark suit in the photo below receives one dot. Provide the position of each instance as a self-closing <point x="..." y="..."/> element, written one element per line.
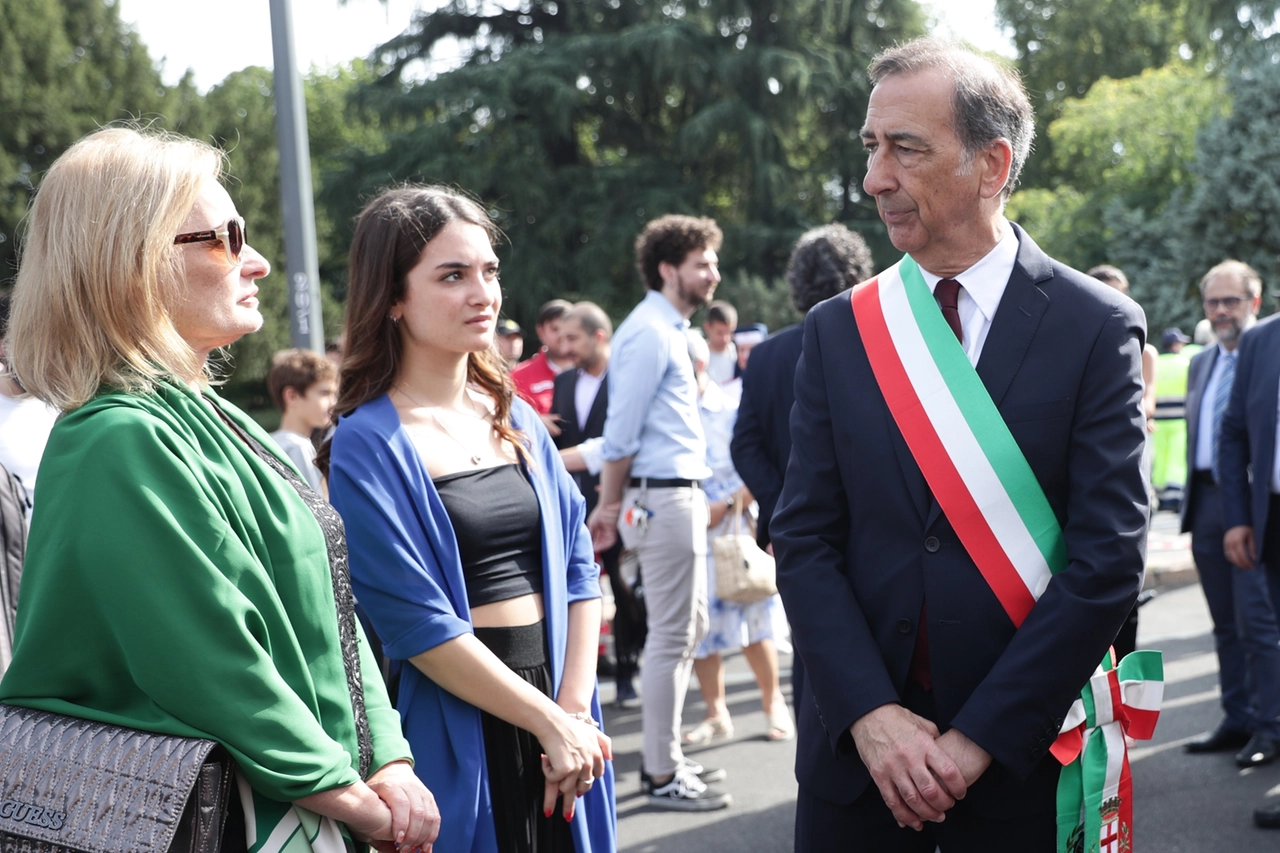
<point x="1247" y="461"/>
<point x="580" y="400"/>
<point x="825" y="261"/>
<point x="1244" y="622"/>
<point x="919" y="690"/>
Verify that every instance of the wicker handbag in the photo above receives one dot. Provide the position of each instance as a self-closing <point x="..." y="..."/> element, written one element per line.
<point x="744" y="573"/>
<point x="68" y="784"/>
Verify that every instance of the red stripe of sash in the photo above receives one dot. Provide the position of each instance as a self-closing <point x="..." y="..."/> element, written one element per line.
<point x="931" y="455"/>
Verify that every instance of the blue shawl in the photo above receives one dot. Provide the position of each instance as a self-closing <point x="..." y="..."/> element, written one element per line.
<point x="407" y="576"/>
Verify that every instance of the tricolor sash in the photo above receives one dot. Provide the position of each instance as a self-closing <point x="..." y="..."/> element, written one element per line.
<point x="276" y="827"/>
<point x="1095" y="791"/>
<point x="978" y="474"/>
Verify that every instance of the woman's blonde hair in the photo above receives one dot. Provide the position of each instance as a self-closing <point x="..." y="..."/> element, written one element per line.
<point x="99" y="273"/>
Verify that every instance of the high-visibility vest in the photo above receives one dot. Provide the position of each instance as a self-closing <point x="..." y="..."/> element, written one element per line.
<point x="1171" y="385"/>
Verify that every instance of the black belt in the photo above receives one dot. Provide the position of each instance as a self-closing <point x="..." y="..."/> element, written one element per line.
<point x="664" y="483"/>
<point x="1203" y="478"/>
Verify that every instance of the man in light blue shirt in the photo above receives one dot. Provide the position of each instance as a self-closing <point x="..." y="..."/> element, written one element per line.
<point x="650" y="490"/>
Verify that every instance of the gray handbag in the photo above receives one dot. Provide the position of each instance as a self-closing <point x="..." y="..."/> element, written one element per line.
<point x="68" y="784"/>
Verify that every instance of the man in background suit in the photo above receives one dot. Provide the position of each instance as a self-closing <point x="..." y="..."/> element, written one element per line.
<point x="580" y="401"/>
<point x="1248" y="471"/>
<point x="825" y="261"/>
<point x="1244" y="622"/>
<point x="916" y="679"/>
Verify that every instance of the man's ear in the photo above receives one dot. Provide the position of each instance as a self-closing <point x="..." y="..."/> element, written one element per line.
<point x="993" y="163"/>
<point x="290" y="395"/>
<point x="666" y="271"/>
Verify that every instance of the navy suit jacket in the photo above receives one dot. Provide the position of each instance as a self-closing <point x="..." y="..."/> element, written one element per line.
<point x="861" y="544"/>
<point x="564" y="404"/>
<point x="762" y="434"/>
<point x="1247" y="446"/>
<point x="1198" y="373"/>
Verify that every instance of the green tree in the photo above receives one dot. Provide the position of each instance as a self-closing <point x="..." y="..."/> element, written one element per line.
<point x="579" y="121"/>
<point x="66" y="68"/>
<point x="1230" y="209"/>
<point x="1065" y="46"/>
<point x="1122" y="151"/>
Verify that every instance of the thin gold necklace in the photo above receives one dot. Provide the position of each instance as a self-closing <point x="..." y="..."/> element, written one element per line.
<point x="475" y="457"/>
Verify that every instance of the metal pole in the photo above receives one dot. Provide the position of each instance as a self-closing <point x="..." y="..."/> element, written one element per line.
<point x="295" y="185"/>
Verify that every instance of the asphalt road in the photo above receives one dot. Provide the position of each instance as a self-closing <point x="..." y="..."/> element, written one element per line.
<point x="1184" y="803"/>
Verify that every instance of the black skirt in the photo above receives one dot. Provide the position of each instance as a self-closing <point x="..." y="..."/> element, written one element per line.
<point x="514" y="756"/>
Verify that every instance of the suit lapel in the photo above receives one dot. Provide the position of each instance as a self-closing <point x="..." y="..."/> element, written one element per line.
<point x="1270" y="369"/>
<point x="571" y="409"/>
<point x="1197" y="377"/>
<point x="1012" y="329"/>
<point x="599" y="408"/>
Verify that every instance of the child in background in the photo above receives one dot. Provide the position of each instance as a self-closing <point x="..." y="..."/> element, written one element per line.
<point x="304" y="385"/>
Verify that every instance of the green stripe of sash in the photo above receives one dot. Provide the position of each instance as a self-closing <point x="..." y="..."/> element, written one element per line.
<point x="984" y="419"/>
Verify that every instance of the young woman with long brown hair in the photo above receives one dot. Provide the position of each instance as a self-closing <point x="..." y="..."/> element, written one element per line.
<point x="469" y="550"/>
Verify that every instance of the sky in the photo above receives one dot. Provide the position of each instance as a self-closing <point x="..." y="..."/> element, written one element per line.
<point x="234" y="34"/>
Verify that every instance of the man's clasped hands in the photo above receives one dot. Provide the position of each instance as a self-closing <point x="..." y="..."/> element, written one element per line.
<point x="920" y="773"/>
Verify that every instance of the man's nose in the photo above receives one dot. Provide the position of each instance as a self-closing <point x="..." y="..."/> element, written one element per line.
<point x="879" y="177"/>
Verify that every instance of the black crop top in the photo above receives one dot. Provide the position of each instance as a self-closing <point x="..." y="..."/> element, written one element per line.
<point x="497" y="522"/>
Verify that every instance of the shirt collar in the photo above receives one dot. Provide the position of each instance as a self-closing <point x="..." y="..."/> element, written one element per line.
<point x="985" y="281"/>
<point x="1223" y="352"/>
<point x="664" y="307"/>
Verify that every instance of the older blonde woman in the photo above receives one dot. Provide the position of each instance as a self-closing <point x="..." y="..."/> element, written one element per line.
<point x="180" y="576"/>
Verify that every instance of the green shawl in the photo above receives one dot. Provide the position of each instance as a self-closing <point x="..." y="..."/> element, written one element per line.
<point x="175" y="583"/>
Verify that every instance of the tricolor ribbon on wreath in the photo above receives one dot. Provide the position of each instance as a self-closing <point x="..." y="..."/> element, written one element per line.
<point x="992" y="499"/>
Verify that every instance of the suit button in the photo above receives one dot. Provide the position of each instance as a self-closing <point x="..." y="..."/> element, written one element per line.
<point x="932" y="544"/>
<point x="904" y="626"/>
<point x="1041" y="744"/>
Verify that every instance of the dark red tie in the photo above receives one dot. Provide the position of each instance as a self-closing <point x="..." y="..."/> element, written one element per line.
<point x="948" y="294"/>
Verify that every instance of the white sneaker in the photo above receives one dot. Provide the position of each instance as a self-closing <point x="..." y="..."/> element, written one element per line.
<point x="687" y="793"/>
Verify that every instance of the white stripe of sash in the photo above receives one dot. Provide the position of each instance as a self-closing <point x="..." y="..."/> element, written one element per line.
<point x="958" y="438"/>
<point x="1144" y="695"/>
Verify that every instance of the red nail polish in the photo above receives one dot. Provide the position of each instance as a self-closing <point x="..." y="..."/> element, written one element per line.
<point x="568" y="817"/>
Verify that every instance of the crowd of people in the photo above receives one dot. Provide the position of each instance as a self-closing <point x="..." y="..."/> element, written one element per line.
<point x="389" y="611"/>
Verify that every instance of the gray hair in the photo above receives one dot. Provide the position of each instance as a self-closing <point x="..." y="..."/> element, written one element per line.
<point x="988" y="103"/>
<point x="826" y="261"/>
<point x="1238" y="270"/>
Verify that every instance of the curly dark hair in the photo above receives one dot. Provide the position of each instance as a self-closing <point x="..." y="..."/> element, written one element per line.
<point x="671" y="238"/>
<point x="826" y="261"/>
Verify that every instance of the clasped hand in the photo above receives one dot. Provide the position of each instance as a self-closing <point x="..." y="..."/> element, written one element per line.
<point x="919" y="773"/>
<point x="574" y="759"/>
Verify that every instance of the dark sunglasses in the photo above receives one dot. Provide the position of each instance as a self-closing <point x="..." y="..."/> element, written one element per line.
<point x="231" y="236"/>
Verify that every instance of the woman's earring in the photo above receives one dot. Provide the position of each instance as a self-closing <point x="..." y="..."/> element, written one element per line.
<point x="395" y="321"/>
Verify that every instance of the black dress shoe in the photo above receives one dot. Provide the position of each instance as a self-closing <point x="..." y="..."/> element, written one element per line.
<point x="1258" y="751"/>
<point x="1267" y="817"/>
<point x="1220" y="739"/>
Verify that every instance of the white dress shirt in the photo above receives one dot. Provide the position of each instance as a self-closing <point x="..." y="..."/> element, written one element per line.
<point x="1204" y="436"/>
<point x="981" y="287"/>
<point x="584" y="395"/>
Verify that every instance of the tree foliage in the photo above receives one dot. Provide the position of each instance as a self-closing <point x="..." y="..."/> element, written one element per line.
<point x="67" y="67"/>
<point x="1122" y="151"/>
<point x="576" y="122"/>
<point x="1065" y="46"/>
<point x="1230" y="208"/>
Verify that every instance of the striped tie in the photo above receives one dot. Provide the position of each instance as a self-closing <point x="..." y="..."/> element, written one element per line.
<point x="1221" y="396"/>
